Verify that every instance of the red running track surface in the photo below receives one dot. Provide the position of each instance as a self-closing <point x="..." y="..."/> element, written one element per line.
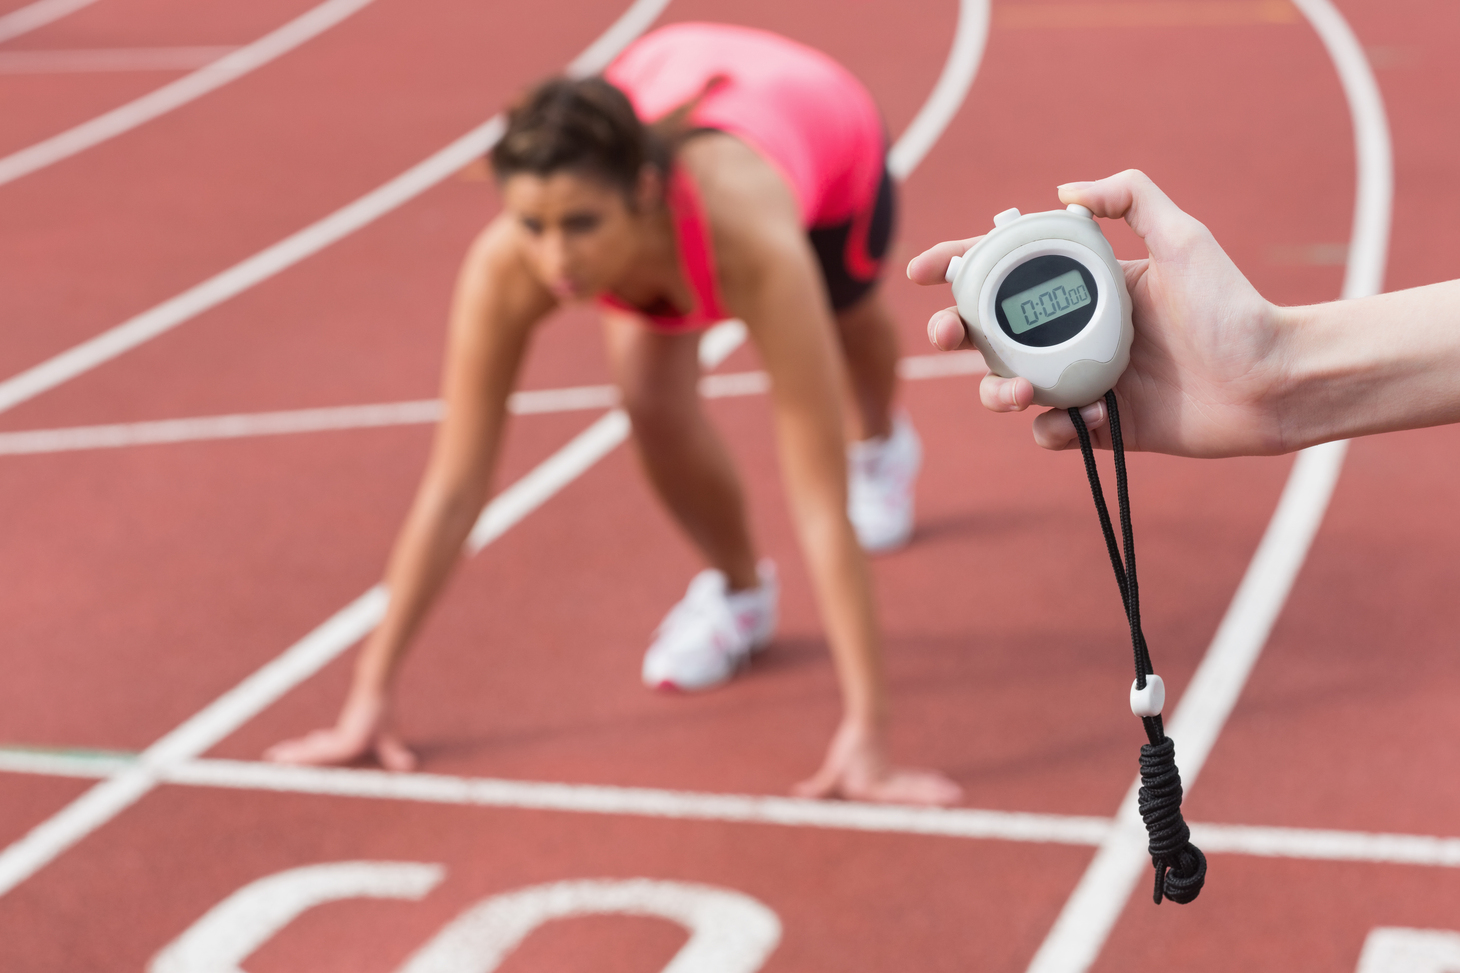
<point x="139" y="584"/>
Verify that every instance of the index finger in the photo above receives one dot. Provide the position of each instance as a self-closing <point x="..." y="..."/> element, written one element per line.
<point x="929" y="266"/>
<point x="1133" y="197"/>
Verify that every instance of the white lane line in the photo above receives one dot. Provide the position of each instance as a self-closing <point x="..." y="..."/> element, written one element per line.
<point x="1121" y="863"/>
<point x="923" y="132"/>
<point x="103" y="802"/>
<point x="62" y="763"/>
<point x="110" y="59"/>
<point x="196" y="735"/>
<point x="418" y="412"/>
<point x="37" y="14"/>
<point x="1315" y="844"/>
<point x="1368" y="252"/>
<point x="215" y="75"/>
<point x="286" y="253"/>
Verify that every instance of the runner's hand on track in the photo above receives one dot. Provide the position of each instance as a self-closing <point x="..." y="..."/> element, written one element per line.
<point x="856" y="768"/>
<point x="1207" y="361"/>
<point x="361" y="732"/>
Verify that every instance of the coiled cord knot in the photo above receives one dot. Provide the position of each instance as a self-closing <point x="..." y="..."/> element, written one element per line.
<point x="1181" y="868"/>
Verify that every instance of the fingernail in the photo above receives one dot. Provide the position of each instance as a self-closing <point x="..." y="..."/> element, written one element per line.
<point x="1093" y="413"/>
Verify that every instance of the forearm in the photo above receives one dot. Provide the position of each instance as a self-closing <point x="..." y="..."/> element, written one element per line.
<point x="844" y="592"/>
<point x="1372" y="365"/>
<point x="813" y="458"/>
<point x="427" y="549"/>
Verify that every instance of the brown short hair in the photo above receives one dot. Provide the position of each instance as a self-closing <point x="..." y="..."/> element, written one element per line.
<point x="579" y="124"/>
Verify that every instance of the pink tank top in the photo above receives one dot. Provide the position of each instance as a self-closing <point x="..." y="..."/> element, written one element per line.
<point x="802" y="111"/>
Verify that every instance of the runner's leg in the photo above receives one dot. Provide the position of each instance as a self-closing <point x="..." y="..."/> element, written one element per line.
<point x="683" y="455"/>
<point x="869" y="343"/>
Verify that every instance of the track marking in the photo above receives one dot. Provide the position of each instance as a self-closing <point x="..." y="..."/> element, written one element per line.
<point x="37" y="14"/>
<point x="220" y="718"/>
<point x="215" y="75"/>
<point x="927" y="126"/>
<point x="1097" y="902"/>
<point x="1397" y="950"/>
<point x="1146" y="13"/>
<point x="235" y="928"/>
<point x="1313" y="844"/>
<point x="418" y="412"/>
<point x="730" y="932"/>
<point x="110" y="59"/>
<point x="291" y="250"/>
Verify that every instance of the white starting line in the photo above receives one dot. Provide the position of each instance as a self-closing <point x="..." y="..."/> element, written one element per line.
<point x="417" y="412"/>
<point x="1065" y="829"/>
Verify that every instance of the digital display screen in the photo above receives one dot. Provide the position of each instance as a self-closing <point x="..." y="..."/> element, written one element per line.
<point x="1045" y="302"/>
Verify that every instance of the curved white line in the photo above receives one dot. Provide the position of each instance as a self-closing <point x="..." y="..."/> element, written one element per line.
<point x="730" y="932"/>
<point x="235" y="928"/>
<point x="37" y="14"/>
<point x="162" y="318"/>
<point x="948" y="93"/>
<point x="228" y="68"/>
<point x="1368" y="252"/>
<point x="297" y="663"/>
<point x="110" y="59"/>
<point x="1084" y="924"/>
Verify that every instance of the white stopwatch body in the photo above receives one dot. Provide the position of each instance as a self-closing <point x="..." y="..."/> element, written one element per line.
<point x="1043" y="296"/>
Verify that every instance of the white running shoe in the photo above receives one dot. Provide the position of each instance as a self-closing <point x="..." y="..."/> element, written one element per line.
<point x="881" y="474"/>
<point x="712" y="632"/>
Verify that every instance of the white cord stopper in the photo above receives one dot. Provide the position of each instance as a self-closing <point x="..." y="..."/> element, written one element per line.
<point x="1148" y="701"/>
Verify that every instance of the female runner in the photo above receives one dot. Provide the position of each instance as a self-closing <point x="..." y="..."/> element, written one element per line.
<point x="759" y="193"/>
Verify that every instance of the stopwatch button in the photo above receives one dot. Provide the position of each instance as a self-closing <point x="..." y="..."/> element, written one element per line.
<point x="1007" y="216"/>
<point x="1079" y="210"/>
<point x="952" y="271"/>
<point x="1148" y="701"/>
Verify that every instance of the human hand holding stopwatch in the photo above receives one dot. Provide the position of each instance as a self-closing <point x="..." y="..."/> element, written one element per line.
<point x="1206" y="359"/>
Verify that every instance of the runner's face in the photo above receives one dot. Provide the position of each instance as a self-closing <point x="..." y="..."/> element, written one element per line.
<point x="581" y="235"/>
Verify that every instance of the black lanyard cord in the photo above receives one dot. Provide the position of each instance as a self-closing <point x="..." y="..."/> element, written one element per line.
<point x="1180" y="866"/>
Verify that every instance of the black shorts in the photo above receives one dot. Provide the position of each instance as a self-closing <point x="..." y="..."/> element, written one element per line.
<point x="851" y="253"/>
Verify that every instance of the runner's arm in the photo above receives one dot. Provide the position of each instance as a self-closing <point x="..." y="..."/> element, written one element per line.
<point x="771" y="280"/>
<point x="494" y="309"/>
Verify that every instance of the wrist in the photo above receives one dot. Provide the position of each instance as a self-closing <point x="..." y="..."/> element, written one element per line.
<point x="867" y="722"/>
<point x="1280" y="397"/>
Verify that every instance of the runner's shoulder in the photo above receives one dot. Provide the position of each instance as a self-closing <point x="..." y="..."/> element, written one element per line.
<point x="496" y="274"/>
<point x="750" y="208"/>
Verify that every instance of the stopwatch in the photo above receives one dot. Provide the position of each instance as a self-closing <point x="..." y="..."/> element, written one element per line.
<point x="1043" y="297"/>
